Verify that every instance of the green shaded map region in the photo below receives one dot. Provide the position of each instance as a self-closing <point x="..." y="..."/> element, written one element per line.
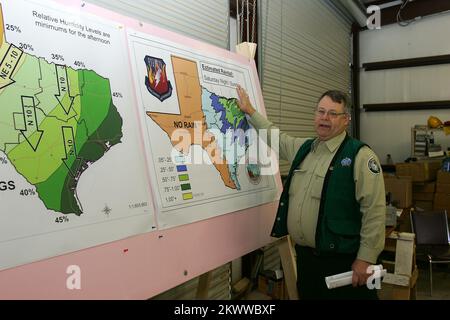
<point x="54" y="123"/>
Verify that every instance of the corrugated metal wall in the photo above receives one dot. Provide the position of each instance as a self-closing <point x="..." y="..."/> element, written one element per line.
<point x="272" y="260"/>
<point x="219" y="288"/>
<point x="204" y="20"/>
<point x="305" y="50"/>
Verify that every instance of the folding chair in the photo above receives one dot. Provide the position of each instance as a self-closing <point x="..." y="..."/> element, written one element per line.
<point x="432" y="238"/>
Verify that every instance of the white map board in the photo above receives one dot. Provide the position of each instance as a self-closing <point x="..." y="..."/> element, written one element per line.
<point x="195" y="178"/>
<point x="69" y="173"/>
<point x="86" y="156"/>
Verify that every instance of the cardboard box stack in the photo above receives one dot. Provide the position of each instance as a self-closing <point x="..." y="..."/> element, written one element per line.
<point x="442" y="195"/>
<point x="423" y="194"/>
<point x="420" y="171"/>
<point x="400" y="189"/>
<point x="423" y="175"/>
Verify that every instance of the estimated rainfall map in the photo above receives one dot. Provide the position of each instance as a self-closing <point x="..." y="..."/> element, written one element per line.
<point x="201" y="143"/>
<point x="68" y="143"/>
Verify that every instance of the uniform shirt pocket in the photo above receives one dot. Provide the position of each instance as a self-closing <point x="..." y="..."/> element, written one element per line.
<point x="299" y="178"/>
<point x="317" y="185"/>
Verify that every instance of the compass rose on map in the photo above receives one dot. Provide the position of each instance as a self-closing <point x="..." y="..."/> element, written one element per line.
<point x="106" y="210"/>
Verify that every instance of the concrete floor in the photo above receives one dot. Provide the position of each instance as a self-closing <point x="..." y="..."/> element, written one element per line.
<point x="441" y="283"/>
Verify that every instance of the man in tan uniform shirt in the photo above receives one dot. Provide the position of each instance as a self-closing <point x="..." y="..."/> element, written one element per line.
<point x="331" y="120"/>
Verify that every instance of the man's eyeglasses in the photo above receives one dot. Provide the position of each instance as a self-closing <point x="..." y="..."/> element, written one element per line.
<point x="331" y="113"/>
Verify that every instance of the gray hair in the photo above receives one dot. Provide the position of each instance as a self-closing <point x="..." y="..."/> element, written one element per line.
<point x="338" y="97"/>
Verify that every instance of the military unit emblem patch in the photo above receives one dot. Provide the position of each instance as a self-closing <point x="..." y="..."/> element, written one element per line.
<point x="156" y="81"/>
<point x="374" y="167"/>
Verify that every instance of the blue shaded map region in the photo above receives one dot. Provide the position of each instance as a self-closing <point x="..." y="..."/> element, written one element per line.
<point x="229" y="126"/>
<point x="219" y="108"/>
<point x="228" y="112"/>
<point x="213" y="119"/>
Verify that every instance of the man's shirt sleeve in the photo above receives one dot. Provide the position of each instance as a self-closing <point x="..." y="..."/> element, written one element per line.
<point x="370" y="194"/>
<point x="288" y="146"/>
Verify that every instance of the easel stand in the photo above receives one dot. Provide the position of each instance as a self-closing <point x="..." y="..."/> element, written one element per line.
<point x="289" y="264"/>
<point x="405" y="275"/>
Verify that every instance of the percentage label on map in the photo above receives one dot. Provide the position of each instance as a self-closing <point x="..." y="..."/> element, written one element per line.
<point x="117" y="95"/>
<point x="26" y="46"/>
<point x="57" y="57"/>
<point x="62" y="219"/>
<point x="27" y="192"/>
<point x="3" y="160"/>
<point x="80" y="64"/>
<point x="13" y="28"/>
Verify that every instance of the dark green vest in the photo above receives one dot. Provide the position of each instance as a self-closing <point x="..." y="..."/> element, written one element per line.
<point x="339" y="221"/>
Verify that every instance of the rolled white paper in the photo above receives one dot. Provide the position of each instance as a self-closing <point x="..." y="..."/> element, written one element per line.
<point x="345" y="279"/>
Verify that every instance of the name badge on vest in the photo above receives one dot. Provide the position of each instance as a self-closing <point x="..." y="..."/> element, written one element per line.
<point x="346" y="162"/>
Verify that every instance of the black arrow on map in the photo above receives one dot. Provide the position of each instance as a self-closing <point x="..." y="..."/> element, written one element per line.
<point x="64" y="98"/>
<point x="31" y="133"/>
<point x="71" y="151"/>
<point x="8" y="65"/>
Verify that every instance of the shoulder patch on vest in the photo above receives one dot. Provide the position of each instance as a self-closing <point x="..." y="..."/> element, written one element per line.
<point x="374" y="167"/>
